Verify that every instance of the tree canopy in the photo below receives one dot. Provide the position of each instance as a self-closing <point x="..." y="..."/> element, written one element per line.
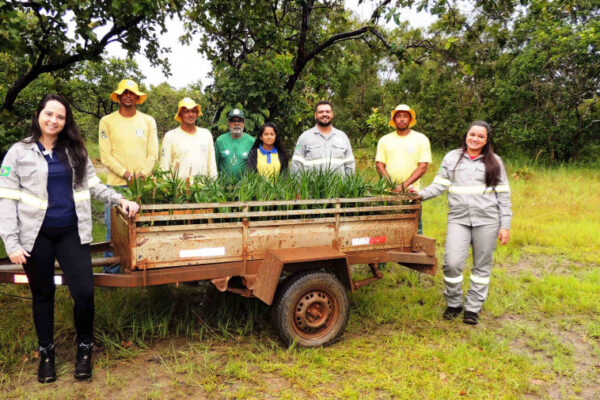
<point x="53" y="35"/>
<point x="529" y="67"/>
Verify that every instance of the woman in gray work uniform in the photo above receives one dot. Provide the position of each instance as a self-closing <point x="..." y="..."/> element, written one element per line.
<point x="46" y="182"/>
<point x="480" y="212"/>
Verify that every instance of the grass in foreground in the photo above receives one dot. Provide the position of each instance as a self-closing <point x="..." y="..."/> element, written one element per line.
<point x="539" y="336"/>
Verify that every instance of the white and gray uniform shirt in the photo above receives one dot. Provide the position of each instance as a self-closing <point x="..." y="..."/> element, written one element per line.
<point x="470" y="201"/>
<point x="24" y="197"/>
<point x="315" y="151"/>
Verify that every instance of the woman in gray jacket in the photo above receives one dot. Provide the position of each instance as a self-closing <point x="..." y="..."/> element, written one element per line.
<point x="46" y="182"/>
<point x="480" y="212"/>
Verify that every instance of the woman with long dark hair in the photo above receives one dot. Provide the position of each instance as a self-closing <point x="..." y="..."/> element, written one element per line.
<point x="268" y="155"/>
<point x="480" y="212"/>
<point x="46" y="182"/>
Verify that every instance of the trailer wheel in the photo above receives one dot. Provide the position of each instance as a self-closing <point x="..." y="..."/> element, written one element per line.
<point x="311" y="308"/>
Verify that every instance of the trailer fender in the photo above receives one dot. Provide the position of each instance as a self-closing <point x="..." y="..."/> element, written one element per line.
<point x="298" y="259"/>
<point x="421" y="259"/>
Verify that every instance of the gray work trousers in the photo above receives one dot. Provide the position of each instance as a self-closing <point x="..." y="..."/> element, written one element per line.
<point x="458" y="240"/>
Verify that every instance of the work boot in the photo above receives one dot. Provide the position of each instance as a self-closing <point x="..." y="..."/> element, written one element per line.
<point x="471" y="318"/>
<point x="46" y="369"/>
<point x="83" y="364"/>
<point x="452" y="312"/>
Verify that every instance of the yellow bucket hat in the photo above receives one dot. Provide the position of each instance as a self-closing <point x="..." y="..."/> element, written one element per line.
<point x="403" y="107"/>
<point x="128" y="84"/>
<point x="189" y="104"/>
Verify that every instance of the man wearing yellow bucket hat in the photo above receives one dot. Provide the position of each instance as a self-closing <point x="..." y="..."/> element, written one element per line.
<point x="403" y="155"/>
<point x="188" y="150"/>
<point x="128" y="142"/>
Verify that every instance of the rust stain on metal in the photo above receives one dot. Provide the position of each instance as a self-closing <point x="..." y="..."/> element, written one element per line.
<point x="221" y="283"/>
<point x="192" y="235"/>
<point x="241" y="292"/>
<point x="249" y="281"/>
<point x="376" y="276"/>
<point x="301" y="236"/>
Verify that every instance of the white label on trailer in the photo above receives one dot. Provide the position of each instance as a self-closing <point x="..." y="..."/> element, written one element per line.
<point x="368" y="240"/>
<point x="360" y="241"/>
<point x="21" y="278"/>
<point x="205" y="252"/>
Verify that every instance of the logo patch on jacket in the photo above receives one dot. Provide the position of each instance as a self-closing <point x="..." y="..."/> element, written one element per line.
<point x="4" y="171"/>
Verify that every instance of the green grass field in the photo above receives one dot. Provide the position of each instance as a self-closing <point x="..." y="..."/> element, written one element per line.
<point x="539" y="335"/>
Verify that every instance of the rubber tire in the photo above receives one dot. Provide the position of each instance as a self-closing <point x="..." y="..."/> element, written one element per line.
<point x="292" y="290"/>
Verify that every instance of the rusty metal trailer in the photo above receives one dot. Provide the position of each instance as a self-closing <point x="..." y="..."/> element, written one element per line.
<point x="294" y="255"/>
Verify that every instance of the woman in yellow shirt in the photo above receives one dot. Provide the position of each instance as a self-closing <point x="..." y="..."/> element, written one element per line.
<point x="268" y="156"/>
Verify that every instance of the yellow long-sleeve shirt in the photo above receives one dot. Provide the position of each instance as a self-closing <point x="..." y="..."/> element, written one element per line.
<point x="190" y="154"/>
<point x="127" y="144"/>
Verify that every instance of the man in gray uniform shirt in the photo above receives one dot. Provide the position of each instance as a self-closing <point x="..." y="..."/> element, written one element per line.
<point x="323" y="147"/>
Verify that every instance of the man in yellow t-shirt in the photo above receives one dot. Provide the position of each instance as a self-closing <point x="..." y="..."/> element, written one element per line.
<point x="188" y="150"/>
<point x="403" y="155"/>
<point x="127" y="137"/>
<point x="128" y="143"/>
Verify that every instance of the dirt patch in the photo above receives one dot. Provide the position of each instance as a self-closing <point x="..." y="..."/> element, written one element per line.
<point x="582" y="381"/>
<point x="541" y="265"/>
<point x="168" y="370"/>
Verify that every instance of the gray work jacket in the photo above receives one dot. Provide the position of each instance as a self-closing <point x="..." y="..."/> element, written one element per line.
<point x="470" y="201"/>
<point x="24" y="197"/>
<point x="315" y="151"/>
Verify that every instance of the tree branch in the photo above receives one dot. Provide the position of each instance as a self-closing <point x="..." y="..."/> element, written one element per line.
<point x="86" y="54"/>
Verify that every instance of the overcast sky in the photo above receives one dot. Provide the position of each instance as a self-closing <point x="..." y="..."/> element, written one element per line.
<point x="187" y="66"/>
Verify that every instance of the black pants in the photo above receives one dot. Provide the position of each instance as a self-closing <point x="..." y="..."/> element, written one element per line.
<point x="76" y="262"/>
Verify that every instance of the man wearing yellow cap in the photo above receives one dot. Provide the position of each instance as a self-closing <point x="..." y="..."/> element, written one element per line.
<point x="188" y="150"/>
<point x="128" y="142"/>
<point x="403" y="155"/>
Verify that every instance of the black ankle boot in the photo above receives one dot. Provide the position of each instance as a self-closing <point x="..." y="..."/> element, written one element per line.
<point x="83" y="364"/>
<point x="46" y="369"/>
<point x="452" y="312"/>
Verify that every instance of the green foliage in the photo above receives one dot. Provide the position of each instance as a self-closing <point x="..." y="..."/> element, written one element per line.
<point x="532" y="71"/>
<point x="88" y="87"/>
<point x="40" y="43"/>
<point x="53" y="35"/>
<point x="378" y="123"/>
<point x="278" y="60"/>
<point x="252" y="121"/>
<point x="551" y="85"/>
<point x="162" y="102"/>
<point x="166" y="187"/>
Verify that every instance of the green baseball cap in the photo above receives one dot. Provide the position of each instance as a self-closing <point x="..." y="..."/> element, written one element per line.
<point x="236" y="112"/>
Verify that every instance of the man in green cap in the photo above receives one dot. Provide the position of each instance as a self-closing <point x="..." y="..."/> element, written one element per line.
<point x="232" y="148"/>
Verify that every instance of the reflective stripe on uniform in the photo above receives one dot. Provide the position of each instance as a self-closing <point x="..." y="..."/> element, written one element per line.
<point x="457" y="279"/>
<point x="322" y="161"/>
<point x="34" y="201"/>
<point x="93" y="181"/>
<point x="12" y="194"/>
<point x="479" y="189"/>
<point x="442" y="181"/>
<point x="81" y="195"/>
<point x="480" y="280"/>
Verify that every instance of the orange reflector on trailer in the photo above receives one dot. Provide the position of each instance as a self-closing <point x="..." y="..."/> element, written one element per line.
<point x="22" y="278"/>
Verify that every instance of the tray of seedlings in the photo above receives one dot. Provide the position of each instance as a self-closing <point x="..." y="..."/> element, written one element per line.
<point x="203" y="221"/>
